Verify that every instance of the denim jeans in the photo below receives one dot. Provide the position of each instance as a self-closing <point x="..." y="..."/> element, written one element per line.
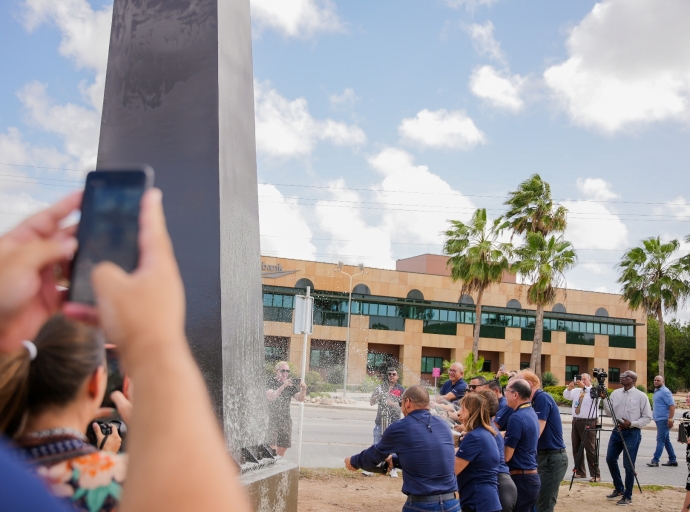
<point x="377" y="433"/>
<point x="436" y="506"/>
<point x="631" y="437"/>
<point x="663" y="440"/>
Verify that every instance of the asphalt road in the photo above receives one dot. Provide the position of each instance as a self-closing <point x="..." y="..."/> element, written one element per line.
<point x="331" y="434"/>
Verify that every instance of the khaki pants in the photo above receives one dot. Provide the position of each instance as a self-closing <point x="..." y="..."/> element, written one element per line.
<point x="578" y="435"/>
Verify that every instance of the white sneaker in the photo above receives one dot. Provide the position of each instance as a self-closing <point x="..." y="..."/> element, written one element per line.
<point x="394" y="473"/>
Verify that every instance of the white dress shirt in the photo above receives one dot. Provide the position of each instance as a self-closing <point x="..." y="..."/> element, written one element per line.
<point x="632" y="405"/>
<point x="586" y="411"/>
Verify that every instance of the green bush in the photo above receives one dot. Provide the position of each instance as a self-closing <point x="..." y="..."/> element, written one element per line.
<point x="641" y="388"/>
<point x="312" y="379"/>
<point x="555" y="389"/>
<point x="368" y="385"/>
<point x="558" y="397"/>
<point x="335" y="375"/>
<point x="548" y="379"/>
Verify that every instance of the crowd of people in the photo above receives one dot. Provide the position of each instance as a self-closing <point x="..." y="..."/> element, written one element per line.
<point x="53" y="373"/>
<point x="504" y="452"/>
<point x="510" y="454"/>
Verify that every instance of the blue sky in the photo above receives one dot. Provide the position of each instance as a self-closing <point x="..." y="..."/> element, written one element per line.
<point x="379" y="121"/>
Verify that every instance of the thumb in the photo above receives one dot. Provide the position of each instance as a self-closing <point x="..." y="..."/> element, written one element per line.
<point x="108" y="280"/>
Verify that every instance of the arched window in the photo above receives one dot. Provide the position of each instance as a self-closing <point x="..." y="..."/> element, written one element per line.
<point x="361" y="289"/>
<point x="415" y="295"/>
<point x="558" y="308"/>
<point x="601" y="312"/>
<point x="303" y="283"/>
<point x="514" y="304"/>
<point x="466" y="299"/>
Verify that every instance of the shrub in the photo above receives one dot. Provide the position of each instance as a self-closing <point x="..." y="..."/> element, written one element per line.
<point x="641" y="388"/>
<point x="548" y="379"/>
<point x="313" y="379"/>
<point x="368" y="384"/>
<point x="558" y="397"/>
<point x="335" y="375"/>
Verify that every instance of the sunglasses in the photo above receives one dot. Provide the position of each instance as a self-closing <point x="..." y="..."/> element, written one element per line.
<point x="472" y="386"/>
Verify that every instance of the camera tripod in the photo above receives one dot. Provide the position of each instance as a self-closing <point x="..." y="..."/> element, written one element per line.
<point x="595" y="394"/>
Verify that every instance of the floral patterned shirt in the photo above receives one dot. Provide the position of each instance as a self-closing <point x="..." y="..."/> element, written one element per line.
<point x="85" y="478"/>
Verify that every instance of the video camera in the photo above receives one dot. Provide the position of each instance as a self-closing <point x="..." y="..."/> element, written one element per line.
<point x="600" y="389"/>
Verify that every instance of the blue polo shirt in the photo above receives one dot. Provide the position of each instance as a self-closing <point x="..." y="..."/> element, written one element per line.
<point x="425" y="454"/>
<point x="478" y="482"/>
<point x="502" y="466"/>
<point x="502" y="417"/>
<point x="20" y="491"/>
<point x="522" y="434"/>
<point x="663" y="400"/>
<point x="502" y="402"/>
<point x="458" y="389"/>
<point x="547" y="409"/>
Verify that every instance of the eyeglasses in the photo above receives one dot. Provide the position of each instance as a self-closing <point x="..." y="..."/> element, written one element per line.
<point x="452" y="371"/>
<point x="284" y="371"/>
<point x="392" y="374"/>
<point x="472" y="386"/>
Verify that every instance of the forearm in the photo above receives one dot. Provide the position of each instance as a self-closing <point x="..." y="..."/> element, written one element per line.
<point x="176" y="446"/>
<point x="671" y="412"/>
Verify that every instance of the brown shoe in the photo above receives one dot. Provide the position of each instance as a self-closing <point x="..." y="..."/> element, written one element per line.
<point x="595" y="479"/>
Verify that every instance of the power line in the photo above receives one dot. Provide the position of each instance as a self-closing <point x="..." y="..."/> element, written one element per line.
<point x="365" y="189"/>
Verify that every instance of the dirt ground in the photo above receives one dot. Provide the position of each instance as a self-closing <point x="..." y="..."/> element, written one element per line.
<point x="330" y="490"/>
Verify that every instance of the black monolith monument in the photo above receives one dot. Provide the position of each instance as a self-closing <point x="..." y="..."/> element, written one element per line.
<point x="179" y="97"/>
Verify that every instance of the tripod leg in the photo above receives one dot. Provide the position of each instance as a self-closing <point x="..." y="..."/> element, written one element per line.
<point x="578" y="458"/>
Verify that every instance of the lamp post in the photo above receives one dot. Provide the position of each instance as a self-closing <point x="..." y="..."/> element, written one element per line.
<point x="339" y="268"/>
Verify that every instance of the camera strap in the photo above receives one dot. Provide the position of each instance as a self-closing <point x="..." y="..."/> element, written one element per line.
<point x="105" y="438"/>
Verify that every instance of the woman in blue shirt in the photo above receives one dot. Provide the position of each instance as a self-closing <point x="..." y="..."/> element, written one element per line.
<point x="477" y="458"/>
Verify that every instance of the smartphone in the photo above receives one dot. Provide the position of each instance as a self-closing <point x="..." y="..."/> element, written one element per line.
<point x="109" y="225"/>
<point x="577" y="377"/>
<point x="116" y="377"/>
<point x="502" y="367"/>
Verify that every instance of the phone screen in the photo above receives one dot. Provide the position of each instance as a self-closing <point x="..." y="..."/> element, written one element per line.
<point x="109" y="225"/>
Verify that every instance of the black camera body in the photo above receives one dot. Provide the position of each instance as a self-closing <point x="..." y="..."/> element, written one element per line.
<point x="106" y="427"/>
<point x="684" y="428"/>
<point x="600" y="389"/>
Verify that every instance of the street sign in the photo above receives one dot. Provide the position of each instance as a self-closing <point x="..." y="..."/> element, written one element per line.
<point x="304" y="315"/>
<point x="436" y="372"/>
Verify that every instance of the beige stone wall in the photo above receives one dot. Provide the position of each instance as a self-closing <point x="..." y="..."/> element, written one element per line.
<point x="440" y="288"/>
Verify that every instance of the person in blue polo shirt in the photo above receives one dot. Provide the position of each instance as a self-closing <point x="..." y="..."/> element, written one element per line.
<point x="664" y="410"/>
<point x="552" y="458"/>
<point x="507" y="492"/>
<point x="424" y="447"/>
<point x="477" y="458"/>
<point x="522" y="436"/>
<point x="454" y="388"/>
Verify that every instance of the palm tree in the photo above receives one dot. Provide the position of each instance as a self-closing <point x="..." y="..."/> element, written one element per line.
<point x="532" y="210"/>
<point x="477" y="259"/>
<point x="542" y="263"/>
<point x="652" y="279"/>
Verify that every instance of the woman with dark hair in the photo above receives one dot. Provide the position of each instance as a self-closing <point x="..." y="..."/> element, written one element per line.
<point x="50" y="391"/>
<point x="477" y="459"/>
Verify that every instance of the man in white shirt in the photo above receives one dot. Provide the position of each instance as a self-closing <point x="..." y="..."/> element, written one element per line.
<point x="584" y="421"/>
<point x="633" y="412"/>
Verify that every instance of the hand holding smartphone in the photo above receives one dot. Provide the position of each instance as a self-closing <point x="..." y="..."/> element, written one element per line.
<point x="109" y="225"/>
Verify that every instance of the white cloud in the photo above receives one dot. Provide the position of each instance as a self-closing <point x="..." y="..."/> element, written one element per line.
<point x="354" y="240"/>
<point x="484" y="42"/>
<point x="499" y="90"/>
<point x="596" y="188"/>
<point x="629" y="63"/>
<point x="85" y="37"/>
<point x="17" y="206"/>
<point x="441" y="129"/>
<point x="286" y="128"/>
<point x="470" y="5"/>
<point x="678" y="207"/>
<point x="78" y="126"/>
<point x="592" y="225"/>
<point x="284" y="230"/>
<point x="409" y="191"/>
<point x="345" y="100"/>
<point x="296" y="18"/>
